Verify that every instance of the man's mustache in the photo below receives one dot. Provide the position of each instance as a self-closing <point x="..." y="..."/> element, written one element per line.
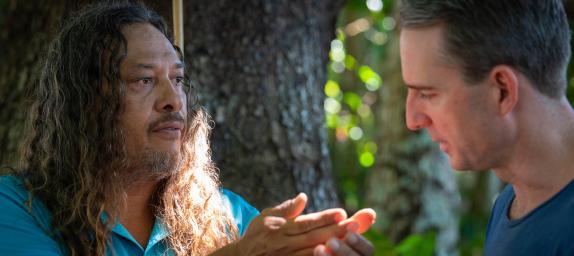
<point x="168" y="117"/>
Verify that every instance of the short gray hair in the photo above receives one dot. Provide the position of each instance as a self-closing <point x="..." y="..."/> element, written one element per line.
<point x="531" y="36"/>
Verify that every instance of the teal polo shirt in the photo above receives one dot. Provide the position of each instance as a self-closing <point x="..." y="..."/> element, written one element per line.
<point x="22" y="233"/>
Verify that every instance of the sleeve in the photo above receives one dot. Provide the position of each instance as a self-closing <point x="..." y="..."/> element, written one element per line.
<point x="242" y="211"/>
<point x="20" y="232"/>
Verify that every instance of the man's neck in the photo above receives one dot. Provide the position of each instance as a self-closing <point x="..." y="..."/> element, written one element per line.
<point x="138" y="217"/>
<point x="542" y="162"/>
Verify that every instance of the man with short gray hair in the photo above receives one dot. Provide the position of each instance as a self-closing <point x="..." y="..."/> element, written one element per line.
<point x="487" y="80"/>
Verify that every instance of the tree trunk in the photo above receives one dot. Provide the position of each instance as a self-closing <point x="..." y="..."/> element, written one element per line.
<point x="260" y="67"/>
<point x="25" y="29"/>
<point x="413" y="189"/>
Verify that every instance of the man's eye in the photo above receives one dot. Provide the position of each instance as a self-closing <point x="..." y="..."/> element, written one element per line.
<point x="180" y="81"/>
<point x="145" y="81"/>
<point x="425" y="96"/>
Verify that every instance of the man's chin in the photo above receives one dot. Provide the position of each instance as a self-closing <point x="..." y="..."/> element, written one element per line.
<point x="152" y="164"/>
<point x="460" y="165"/>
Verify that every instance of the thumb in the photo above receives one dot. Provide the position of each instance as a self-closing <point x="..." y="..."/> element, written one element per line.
<point x="364" y="218"/>
<point x="290" y="208"/>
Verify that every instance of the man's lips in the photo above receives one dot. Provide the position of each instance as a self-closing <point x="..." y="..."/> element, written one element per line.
<point x="170" y="130"/>
<point x="168" y="126"/>
<point x="441" y="143"/>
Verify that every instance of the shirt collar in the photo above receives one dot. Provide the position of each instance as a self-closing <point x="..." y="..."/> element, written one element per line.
<point x="158" y="233"/>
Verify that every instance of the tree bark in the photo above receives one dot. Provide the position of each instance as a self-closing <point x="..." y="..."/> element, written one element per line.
<point x="25" y="29"/>
<point x="260" y="68"/>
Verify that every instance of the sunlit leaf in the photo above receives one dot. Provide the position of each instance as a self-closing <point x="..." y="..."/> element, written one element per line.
<point x="332" y="89"/>
<point x="337" y="55"/>
<point x="371" y="79"/>
<point x="366" y="159"/>
<point x="356" y="133"/>
<point x="332" y="106"/>
<point x="352" y="100"/>
<point x="375" y="5"/>
<point x="341" y="35"/>
<point x="331" y="120"/>
<point x="350" y="62"/>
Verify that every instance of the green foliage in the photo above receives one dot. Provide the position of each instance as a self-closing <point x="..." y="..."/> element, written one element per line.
<point x="417" y="244"/>
<point x="413" y="245"/>
<point x="371" y="79"/>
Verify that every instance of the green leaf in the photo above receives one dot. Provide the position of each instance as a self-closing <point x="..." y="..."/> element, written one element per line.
<point x="417" y="244"/>
<point x="367" y="159"/>
<point x="352" y="100"/>
<point x="371" y="79"/>
<point x="350" y="62"/>
<point x="332" y="89"/>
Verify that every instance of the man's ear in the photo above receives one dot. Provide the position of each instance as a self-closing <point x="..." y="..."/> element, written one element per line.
<point x="506" y="84"/>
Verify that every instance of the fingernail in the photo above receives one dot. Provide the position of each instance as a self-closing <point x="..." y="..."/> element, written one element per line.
<point x="322" y="252"/>
<point x="352" y="227"/>
<point x="333" y="244"/>
<point x="352" y="238"/>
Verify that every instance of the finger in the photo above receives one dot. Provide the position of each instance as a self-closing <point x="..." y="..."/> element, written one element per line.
<point x="365" y="218"/>
<point x="321" y="250"/>
<point x="274" y="223"/>
<point x="318" y="235"/>
<point x="340" y="249"/>
<point x="305" y="223"/>
<point x="290" y="208"/>
<point x="359" y="243"/>
<point x="303" y="252"/>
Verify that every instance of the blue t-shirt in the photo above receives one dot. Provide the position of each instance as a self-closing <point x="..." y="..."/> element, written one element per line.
<point x="23" y="234"/>
<point x="546" y="230"/>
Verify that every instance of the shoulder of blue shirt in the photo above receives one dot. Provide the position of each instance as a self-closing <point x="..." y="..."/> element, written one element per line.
<point x="20" y="229"/>
<point x="242" y="211"/>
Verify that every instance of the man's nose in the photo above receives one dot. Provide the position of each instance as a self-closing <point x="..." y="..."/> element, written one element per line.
<point x="171" y="98"/>
<point x="415" y="116"/>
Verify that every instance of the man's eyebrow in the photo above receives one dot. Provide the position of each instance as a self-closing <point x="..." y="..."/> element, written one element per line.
<point x="144" y="66"/>
<point x="420" y="87"/>
<point x="177" y="65"/>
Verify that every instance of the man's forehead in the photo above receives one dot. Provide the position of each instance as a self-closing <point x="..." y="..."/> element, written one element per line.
<point x="422" y="54"/>
<point x="424" y="42"/>
<point x="148" y="47"/>
<point x="134" y="65"/>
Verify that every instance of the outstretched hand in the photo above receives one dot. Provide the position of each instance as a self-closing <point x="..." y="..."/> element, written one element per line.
<point x="282" y="230"/>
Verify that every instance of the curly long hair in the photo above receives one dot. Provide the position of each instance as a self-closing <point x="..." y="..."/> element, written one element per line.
<point x="74" y="151"/>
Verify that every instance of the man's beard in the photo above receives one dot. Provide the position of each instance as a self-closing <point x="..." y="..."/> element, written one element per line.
<point x="151" y="165"/>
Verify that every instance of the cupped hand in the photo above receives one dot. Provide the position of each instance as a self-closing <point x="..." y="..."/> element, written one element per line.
<point x="353" y="244"/>
<point x="281" y="230"/>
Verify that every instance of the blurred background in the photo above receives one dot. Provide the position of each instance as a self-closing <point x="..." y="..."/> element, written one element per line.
<point x="305" y="96"/>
